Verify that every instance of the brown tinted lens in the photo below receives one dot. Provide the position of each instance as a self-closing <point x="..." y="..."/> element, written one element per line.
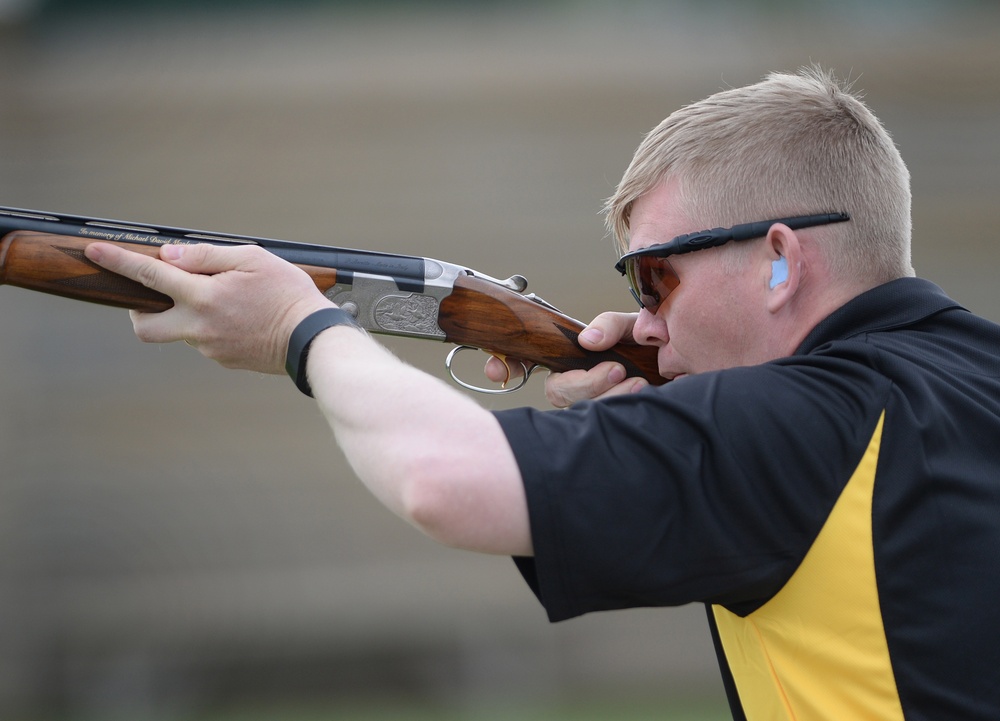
<point x="652" y="280"/>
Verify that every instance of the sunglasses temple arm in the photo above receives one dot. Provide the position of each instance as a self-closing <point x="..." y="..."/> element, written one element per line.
<point x="759" y="230"/>
<point x="752" y="230"/>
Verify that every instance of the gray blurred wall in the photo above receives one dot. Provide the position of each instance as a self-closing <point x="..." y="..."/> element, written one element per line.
<point x="174" y="535"/>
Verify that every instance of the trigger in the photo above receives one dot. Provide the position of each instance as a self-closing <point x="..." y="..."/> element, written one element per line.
<point x="449" y="362"/>
<point x="503" y="359"/>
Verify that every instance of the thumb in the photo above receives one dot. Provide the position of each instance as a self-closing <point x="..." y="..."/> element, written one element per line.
<point x="606" y="330"/>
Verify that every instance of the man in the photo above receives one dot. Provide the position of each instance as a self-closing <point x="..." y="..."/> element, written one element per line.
<point x="821" y="472"/>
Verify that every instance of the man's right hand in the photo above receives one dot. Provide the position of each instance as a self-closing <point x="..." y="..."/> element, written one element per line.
<point x="603" y="380"/>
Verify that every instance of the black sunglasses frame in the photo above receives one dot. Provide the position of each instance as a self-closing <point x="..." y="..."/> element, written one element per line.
<point x="702" y="239"/>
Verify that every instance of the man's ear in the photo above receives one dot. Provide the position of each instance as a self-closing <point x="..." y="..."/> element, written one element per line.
<point x="783" y="252"/>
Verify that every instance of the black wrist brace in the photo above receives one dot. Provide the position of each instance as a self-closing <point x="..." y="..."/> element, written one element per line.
<point x="303" y="335"/>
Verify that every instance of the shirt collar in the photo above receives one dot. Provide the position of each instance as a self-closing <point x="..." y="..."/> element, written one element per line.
<point x="895" y="304"/>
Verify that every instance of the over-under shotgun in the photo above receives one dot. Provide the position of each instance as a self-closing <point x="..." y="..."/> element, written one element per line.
<point x="387" y="293"/>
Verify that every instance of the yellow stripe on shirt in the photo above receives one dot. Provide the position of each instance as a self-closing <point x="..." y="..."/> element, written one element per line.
<point x="817" y="649"/>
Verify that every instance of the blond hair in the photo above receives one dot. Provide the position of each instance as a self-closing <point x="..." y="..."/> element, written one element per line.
<point x="792" y="144"/>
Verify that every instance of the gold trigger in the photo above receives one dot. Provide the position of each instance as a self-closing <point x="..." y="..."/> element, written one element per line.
<point x="502" y="358"/>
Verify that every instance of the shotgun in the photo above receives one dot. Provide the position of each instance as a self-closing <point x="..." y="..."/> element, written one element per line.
<point x="386" y="293"/>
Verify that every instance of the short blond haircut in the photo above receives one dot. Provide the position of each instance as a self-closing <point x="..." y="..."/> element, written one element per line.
<point x="792" y="144"/>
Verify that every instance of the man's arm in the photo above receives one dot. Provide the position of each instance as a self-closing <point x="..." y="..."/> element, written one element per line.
<point x="425" y="450"/>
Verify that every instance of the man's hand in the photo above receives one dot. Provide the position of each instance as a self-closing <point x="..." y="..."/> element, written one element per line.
<point x="603" y="380"/>
<point x="237" y="306"/>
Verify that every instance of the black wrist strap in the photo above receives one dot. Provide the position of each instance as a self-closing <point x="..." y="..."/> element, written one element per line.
<point x="303" y="335"/>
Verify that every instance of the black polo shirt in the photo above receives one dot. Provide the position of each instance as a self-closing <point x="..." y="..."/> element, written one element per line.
<point x="838" y="511"/>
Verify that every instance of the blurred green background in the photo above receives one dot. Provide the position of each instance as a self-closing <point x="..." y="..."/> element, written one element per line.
<point x="178" y="541"/>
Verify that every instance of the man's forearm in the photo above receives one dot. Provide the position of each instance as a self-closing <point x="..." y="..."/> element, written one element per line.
<point x="428" y="452"/>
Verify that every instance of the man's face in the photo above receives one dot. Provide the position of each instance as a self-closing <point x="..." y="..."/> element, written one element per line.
<point x="712" y="319"/>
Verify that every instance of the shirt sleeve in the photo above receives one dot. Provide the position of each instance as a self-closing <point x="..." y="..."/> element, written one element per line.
<point x="710" y="488"/>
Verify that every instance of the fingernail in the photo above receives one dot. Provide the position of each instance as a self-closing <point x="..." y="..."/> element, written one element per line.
<point x="616" y="374"/>
<point x="592" y="335"/>
<point x="93" y="252"/>
<point x="171" y="251"/>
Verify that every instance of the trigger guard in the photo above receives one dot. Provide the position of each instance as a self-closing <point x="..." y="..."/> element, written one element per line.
<point x="479" y="389"/>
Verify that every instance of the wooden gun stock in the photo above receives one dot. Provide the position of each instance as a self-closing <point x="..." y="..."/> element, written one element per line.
<point x="529" y="331"/>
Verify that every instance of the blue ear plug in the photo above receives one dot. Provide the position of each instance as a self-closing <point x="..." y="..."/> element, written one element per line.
<point x="779" y="271"/>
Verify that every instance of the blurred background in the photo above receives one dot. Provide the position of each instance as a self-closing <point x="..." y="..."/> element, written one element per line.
<point x="178" y="541"/>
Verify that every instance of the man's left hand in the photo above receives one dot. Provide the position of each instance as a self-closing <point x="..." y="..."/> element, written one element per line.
<point x="235" y="305"/>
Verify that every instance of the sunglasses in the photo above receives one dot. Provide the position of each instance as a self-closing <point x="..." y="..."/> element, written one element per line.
<point x="651" y="277"/>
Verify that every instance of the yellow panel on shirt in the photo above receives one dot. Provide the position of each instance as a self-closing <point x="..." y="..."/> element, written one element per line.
<point x="817" y="649"/>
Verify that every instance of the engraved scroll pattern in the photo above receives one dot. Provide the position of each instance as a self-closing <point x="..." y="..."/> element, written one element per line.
<point x="408" y="314"/>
